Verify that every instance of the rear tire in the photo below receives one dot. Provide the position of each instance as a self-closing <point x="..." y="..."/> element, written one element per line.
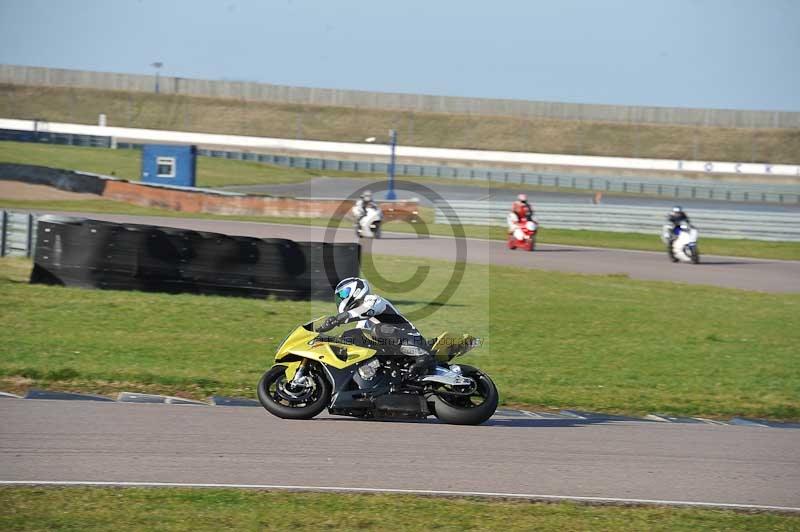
<point x="269" y="395"/>
<point x="454" y="410"/>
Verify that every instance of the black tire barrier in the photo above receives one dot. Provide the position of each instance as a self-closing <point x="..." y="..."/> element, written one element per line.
<point x="94" y="254"/>
<point x="53" y="177"/>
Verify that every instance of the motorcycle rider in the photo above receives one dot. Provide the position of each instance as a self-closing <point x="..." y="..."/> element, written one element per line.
<point x="676" y="217"/>
<point x="363" y="203"/>
<point x="378" y="315"/>
<point x="520" y="210"/>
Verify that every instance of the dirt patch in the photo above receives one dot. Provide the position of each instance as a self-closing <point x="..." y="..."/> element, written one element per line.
<point x="16" y="190"/>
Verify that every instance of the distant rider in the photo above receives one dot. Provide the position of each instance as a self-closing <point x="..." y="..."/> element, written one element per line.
<point x="520" y="210"/>
<point x="364" y="202"/>
<point x="379" y="316"/>
<point x="677" y="217"/>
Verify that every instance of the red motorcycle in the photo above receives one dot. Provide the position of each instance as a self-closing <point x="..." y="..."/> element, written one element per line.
<point x="524" y="235"/>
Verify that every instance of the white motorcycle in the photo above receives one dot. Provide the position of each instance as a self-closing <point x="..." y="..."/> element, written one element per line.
<point x="681" y="243"/>
<point x="368" y="225"/>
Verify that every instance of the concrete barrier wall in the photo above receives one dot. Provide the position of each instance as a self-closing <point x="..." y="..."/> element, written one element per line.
<point x="243" y="205"/>
<point x="28" y="75"/>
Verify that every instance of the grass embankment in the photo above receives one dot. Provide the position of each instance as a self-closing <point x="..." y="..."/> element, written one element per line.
<point x="239" y="117"/>
<point x="551" y="340"/>
<point x="164" y="509"/>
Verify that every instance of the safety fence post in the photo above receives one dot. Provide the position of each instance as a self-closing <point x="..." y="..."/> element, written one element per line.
<point x="29" y="228"/>
<point x="3" y="234"/>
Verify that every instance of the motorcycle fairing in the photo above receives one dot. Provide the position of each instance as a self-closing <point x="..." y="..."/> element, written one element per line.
<point x="304" y="342"/>
<point x="448" y="346"/>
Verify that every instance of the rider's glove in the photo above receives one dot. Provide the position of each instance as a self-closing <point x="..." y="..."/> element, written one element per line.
<point x="333" y="321"/>
<point x="328" y="324"/>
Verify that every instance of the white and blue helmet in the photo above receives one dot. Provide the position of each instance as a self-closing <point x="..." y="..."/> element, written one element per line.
<point x="350" y="292"/>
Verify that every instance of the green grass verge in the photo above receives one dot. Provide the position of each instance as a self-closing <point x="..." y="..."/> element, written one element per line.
<point x="348" y="124"/>
<point x="603" y="239"/>
<point x="551" y="340"/>
<point x="126" y="164"/>
<point x="168" y="509"/>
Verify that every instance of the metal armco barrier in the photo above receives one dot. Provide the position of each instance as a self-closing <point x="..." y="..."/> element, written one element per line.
<point x="17" y="234"/>
<point x="678" y="189"/>
<point x="646" y="184"/>
<point x="47" y="137"/>
<point x="710" y="223"/>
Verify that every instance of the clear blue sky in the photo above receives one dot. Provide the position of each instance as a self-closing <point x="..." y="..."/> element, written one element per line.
<point x="691" y="53"/>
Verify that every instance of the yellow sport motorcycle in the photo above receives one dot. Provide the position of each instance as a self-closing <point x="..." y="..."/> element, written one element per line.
<point x="358" y="375"/>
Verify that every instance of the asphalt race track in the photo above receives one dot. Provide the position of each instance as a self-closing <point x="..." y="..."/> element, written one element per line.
<point x="730" y="272"/>
<point x="44" y="441"/>
<point x="85" y="441"/>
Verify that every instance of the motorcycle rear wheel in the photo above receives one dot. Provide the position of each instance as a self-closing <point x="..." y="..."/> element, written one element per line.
<point x="462" y="410"/>
<point x="279" y="403"/>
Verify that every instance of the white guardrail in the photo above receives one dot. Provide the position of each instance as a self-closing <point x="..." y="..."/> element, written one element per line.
<point x="470" y="156"/>
<point x="711" y="223"/>
<point x="17" y="234"/>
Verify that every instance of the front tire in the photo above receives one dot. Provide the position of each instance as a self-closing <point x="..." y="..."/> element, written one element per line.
<point x="283" y="403"/>
<point x="695" y="255"/>
<point x="472" y="410"/>
<point x="671" y="255"/>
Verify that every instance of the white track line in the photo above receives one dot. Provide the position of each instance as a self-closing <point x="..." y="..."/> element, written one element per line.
<point x="342" y="489"/>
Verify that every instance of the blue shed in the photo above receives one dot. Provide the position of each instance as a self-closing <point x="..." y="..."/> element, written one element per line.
<point x="169" y="164"/>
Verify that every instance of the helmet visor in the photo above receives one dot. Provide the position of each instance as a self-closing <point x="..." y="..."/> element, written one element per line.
<point x="342" y="294"/>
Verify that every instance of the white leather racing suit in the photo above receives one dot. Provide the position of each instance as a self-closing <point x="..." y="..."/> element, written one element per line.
<point x="362" y="206"/>
<point x="374" y="310"/>
<point x="386" y="324"/>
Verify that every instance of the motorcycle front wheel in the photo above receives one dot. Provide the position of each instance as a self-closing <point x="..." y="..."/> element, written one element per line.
<point x="279" y="399"/>
<point x="471" y="409"/>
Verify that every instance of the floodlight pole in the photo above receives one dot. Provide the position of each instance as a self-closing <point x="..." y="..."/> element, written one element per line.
<point x="157" y="65"/>
<point x="390" y="193"/>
